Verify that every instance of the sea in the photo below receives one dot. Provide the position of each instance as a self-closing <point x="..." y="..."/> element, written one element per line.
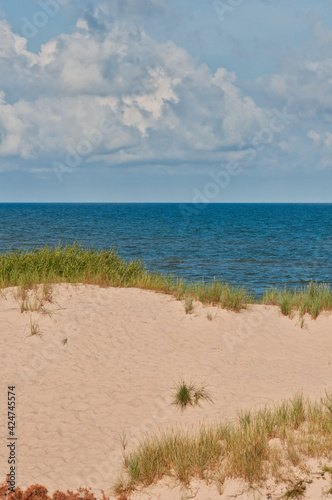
<point x="257" y="246"/>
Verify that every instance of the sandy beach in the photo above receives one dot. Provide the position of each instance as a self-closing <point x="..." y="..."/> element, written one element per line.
<point x="101" y="373"/>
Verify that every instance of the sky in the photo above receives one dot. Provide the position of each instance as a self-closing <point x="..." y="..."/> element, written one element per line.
<point x="166" y="101"/>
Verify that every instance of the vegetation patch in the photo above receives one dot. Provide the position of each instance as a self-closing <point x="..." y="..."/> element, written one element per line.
<point x="297" y="491"/>
<point x="242" y="449"/>
<point x="190" y="394"/>
<point x="188" y="305"/>
<point x="34" y="328"/>
<point x="39" y="492"/>
<point x="27" y="268"/>
<point x="312" y="299"/>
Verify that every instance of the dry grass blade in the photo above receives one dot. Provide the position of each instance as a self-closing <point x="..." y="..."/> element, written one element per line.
<point x="34" y="328"/>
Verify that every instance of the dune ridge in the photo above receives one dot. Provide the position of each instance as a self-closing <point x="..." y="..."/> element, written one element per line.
<point x="101" y="370"/>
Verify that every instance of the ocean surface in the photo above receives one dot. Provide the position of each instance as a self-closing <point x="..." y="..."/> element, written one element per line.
<point x="253" y="245"/>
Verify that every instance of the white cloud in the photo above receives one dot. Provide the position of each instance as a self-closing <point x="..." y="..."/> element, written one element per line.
<point x="162" y="105"/>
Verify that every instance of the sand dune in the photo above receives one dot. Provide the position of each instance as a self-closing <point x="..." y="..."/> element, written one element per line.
<point x="105" y="366"/>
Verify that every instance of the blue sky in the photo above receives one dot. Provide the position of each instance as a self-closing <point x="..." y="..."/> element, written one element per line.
<point x="164" y="100"/>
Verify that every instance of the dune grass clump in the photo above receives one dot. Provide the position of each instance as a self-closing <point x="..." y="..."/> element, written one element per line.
<point x="258" y="444"/>
<point x="190" y="394"/>
<point x="34" y="328"/>
<point x="27" y="268"/>
<point x="34" y="297"/>
<point x="223" y="294"/>
<point x="312" y="299"/>
<point x="67" y="264"/>
<point x="209" y="316"/>
<point x="188" y="305"/>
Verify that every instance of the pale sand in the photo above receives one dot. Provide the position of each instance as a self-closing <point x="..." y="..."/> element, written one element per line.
<point x="126" y="348"/>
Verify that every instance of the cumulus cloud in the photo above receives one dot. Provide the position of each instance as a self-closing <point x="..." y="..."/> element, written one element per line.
<point x="161" y="104"/>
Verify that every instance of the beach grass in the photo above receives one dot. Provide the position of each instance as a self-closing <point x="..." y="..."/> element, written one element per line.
<point x="190" y="394"/>
<point x="27" y="268"/>
<point x="312" y="299"/>
<point x="34" y="328"/>
<point x="257" y="445"/>
<point x="188" y="305"/>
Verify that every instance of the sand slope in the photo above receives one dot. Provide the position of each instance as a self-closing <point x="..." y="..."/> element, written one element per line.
<point x="125" y="349"/>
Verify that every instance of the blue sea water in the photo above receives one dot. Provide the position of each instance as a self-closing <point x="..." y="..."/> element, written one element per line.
<point x="255" y="245"/>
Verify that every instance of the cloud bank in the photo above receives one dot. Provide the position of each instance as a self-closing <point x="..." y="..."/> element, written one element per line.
<point x="162" y="105"/>
<point x="111" y="95"/>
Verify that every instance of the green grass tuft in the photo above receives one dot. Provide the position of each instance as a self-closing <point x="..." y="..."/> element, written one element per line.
<point x="183" y="396"/>
<point x="313" y="299"/>
<point x="190" y="394"/>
